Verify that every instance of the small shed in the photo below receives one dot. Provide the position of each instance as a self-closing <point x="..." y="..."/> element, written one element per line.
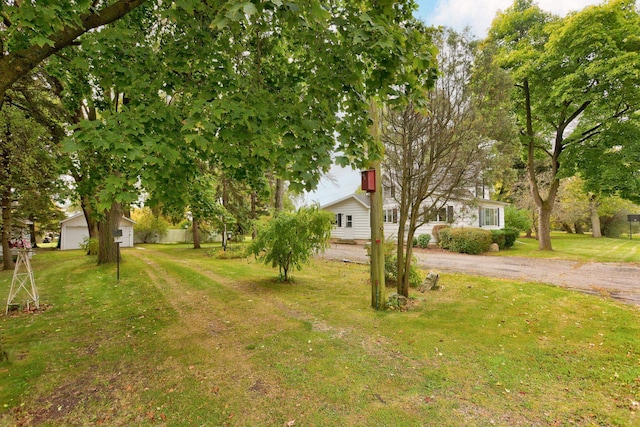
<point x="352" y="217"/>
<point x="74" y="230"/>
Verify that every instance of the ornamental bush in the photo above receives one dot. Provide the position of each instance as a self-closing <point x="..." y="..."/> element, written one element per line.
<point x="465" y="240"/>
<point x="290" y="239"/>
<point x="423" y="240"/>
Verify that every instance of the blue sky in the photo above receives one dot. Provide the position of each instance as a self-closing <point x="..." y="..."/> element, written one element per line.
<point x="457" y="14"/>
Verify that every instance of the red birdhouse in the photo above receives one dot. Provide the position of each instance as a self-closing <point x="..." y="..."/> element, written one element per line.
<point x="369" y="180"/>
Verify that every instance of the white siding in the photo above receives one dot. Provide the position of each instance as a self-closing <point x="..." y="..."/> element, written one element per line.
<point x="74" y="230"/>
<point x="360" y="220"/>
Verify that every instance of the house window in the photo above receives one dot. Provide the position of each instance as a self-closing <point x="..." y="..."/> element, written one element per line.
<point x="388" y="191"/>
<point x="338" y="220"/>
<point x="390" y="215"/>
<point x="444" y="214"/>
<point x="349" y="221"/>
<point x="489" y="217"/>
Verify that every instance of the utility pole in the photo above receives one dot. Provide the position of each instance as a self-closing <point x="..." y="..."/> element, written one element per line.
<point x="378" y="301"/>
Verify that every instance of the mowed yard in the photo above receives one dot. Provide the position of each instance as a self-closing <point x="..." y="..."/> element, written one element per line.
<point x="187" y="339"/>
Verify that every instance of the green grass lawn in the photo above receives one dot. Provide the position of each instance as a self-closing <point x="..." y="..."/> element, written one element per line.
<point x="579" y="247"/>
<point x="186" y="339"/>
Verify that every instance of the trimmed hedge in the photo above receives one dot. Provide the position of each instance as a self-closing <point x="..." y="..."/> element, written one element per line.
<point x="436" y="231"/>
<point x="465" y="240"/>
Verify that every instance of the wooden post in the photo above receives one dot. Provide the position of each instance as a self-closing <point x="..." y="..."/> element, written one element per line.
<point x="377" y="226"/>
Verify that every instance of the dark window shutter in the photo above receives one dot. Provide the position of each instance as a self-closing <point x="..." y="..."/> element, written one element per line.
<point x="450" y="214"/>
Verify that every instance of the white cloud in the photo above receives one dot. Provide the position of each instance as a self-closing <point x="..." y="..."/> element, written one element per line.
<point x="478" y="15"/>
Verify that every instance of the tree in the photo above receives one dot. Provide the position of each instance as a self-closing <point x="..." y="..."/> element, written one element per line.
<point x="573" y="206"/>
<point x="289" y="239"/>
<point x="33" y="31"/>
<point x="433" y="157"/>
<point x="575" y="78"/>
<point x="608" y="165"/>
<point x="149" y="225"/>
<point x="26" y="165"/>
<point x="177" y="98"/>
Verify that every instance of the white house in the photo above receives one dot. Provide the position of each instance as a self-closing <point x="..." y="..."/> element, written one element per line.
<point x="74" y="230"/>
<point x="352" y="216"/>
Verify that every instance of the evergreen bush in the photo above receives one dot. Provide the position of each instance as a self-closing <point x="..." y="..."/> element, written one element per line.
<point x="423" y="240"/>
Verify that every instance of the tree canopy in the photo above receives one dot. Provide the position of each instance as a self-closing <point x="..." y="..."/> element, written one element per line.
<point x="247" y="87"/>
<point x="575" y="80"/>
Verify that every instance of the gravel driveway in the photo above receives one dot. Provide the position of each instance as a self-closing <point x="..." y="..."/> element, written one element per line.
<point x="620" y="280"/>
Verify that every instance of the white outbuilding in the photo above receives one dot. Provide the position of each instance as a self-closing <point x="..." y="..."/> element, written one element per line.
<point x="74" y="230"/>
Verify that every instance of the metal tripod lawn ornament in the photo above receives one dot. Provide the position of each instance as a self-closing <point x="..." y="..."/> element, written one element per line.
<point x="21" y="274"/>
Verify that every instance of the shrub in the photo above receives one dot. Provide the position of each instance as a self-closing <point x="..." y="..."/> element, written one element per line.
<point x="520" y="219"/>
<point x="465" y="240"/>
<point x="391" y="271"/>
<point x="90" y="246"/>
<point x="498" y="236"/>
<point x="148" y="227"/>
<point x="511" y="235"/>
<point x="232" y="252"/>
<point x="436" y="231"/>
<point x="414" y="242"/>
<point x="423" y="240"/>
<point x="291" y="239"/>
<point x="391" y="265"/>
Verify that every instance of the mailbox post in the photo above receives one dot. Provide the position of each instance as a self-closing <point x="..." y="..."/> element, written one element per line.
<point x="117" y="234"/>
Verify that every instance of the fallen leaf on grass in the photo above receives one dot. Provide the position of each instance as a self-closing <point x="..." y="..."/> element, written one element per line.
<point x="289" y="423"/>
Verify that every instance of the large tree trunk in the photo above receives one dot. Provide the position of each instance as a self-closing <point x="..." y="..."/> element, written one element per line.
<point x="595" y="218"/>
<point x="544" y="227"/>
<point x="196" y="233"/>
<point x="6" y="230"/>
<point x="545" y="206"/>
<point x="87" y="210"/>
<point x="107" y="249"/>
<point x="567" y="227"/>
<point x="279" y="197"/>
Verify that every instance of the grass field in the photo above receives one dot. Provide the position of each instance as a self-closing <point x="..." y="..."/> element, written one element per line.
<point x="579" y="247"/>
<point x="186" y="339"/>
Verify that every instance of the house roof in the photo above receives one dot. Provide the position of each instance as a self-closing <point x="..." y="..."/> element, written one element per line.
<point x="72" y="217"/>
<point x="495" y="202"/>
<point x="362" y="199"/>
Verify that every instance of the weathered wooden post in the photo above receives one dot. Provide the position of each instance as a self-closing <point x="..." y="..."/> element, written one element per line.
<point x="377" y="226"/>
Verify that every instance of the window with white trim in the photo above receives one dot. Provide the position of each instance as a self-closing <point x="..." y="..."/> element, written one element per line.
<point x="390" y="215"/>
<point x="349" y="221"/>
<point x="444" y="214"/>
<point x="489" y="217"/>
